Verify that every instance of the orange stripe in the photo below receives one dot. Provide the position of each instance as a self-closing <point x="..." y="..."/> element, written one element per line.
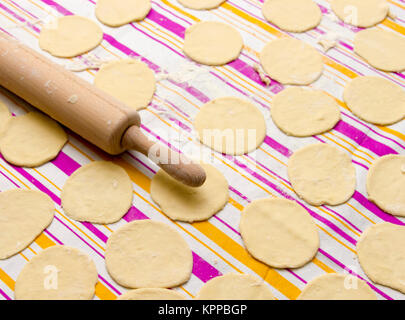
<point x="7" y="279"/>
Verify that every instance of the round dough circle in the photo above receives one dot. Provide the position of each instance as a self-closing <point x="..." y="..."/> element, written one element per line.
<point x="234" y="286"/>
<point x="24" y="214"/>
<point x="334" y="286"/>
<point x="70" y="36"/>
<point x="129" y="80"/>
<point x="292" y="15"/>
<point x="31" y="140"/>
<point x="201" y="4"/>
<point x="99" y="192"/>
<point x="382" y="49"/>
<point x="291" y="61"/>
<point x="148" y="254"/>
<point x="381" y="254"/>
<point x="72" y="272"/>
<point x="236" y="120"/>
<point x="115" y="13"/>
<point x="279" y="233"/>
<point x="184" y="203"/>
<point x="212" y="43"/>
<point x="386" y="184"/>
<point x="322" y="174"/>
<point x="361" y="13"/>
<point x="300" y="112"/>
<point x="5" y="116"/>
<point x="151" y="294"/>
<point x="375" y="100"/>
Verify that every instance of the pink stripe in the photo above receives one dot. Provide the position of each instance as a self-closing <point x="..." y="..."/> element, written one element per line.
<point x="4" y="295"/>
<point x="386" y="296"/>
<point x="245" y="70"/>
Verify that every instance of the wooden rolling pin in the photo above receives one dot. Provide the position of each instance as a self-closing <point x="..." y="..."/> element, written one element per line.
<point x="85" y="109"/>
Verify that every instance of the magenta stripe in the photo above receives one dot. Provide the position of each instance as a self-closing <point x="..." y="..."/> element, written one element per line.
<point x="68" y="164"/>
<point x="363" y="140"/>
<point x="278" y="147"/>
<point x="285" y="195"/>
<point x="203" y="270"/>
<point x="18" y="17"/>
<point x="4" y="295"/>
<point x="376" y="210"/>
<point x="132" y="214"/>
<point x="296" y="275"/>
<point x="386" y="296"/>
<point x="157" y="18"/>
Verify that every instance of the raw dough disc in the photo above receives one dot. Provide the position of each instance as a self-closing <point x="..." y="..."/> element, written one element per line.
<point x="130" y="81"/>
<point x="361" y="13"/>
<point x="70" y="274"/>
<point x="201" y="4"/>
<point x="375" y="100"/>
<point x="24" y="214"/>
<point x="5" y="116"/>
<point x="99" y="192"/>
<point x="322" y="174"/>
<point x="238" y="121"/>
<point x="381" y="254"/>
<point x="279" y="233"/>
<point x="70" y="36"/>
<point x="115" y="13"/>
<point x="31" y="140"/>
<point x="184" y="203"/>
<point x="148" y="254"/>
<point x="212" y="43"/>
<point x="334" y="286"/>
<point x="151" y="294"/>
<point x="292" y="15"/>
<point x="386" y="184"/>
<point x="300" y="112"/>
<point x="234" y="286"/>
<point x="382" y="49"/>
<point x="291" y="61"/>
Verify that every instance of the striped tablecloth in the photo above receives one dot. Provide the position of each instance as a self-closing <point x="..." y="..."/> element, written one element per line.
<point x="216" y="244"/>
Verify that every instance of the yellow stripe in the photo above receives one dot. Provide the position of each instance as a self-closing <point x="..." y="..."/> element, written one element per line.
<point x="7" y="280"/>
<point x="103" y="293"/>
<point x="323" y="266"/>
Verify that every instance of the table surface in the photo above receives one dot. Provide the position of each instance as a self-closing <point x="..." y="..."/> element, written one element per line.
<point x="216" y="244"/>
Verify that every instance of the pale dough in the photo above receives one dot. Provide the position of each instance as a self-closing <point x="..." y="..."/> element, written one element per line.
<point x="99" y="192"/>
<point x="361" y="13"/>
<point x="301" y="112"/>
<point x="24" y="214"/>
<point x="322" y="174"/>
<point x="129" y="80"/>
<point x="375" y="100"/>
<point x="291" y="61"/>
<point x="151" y="294"/>
<point x="234" y="286"/>
<point x="230" y="125"/>
<point x="184" y="203"/>
<point x="212" y="43"/>
<point x="70" y="36"/>
<point x="115" y="13"/>
<point x="201" y="4"/>
<point x="386" y="184"/>
<point x="148" y="254"/>
<point x="57" y="273"/>
<point x="381" y="254"/>
<point x="382" y="49"/>
<point x="279" y="233"/>
<point x="334" y="286"/>
<point x="31" y="140"/>
<point x="292" y="15"/>
<point x="5" y="116"/>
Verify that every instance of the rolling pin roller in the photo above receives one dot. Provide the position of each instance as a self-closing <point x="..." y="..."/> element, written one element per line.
<point x="86" y="110"/>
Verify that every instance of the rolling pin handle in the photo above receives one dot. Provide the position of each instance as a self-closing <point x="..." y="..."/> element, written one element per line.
<point x="175" y="164"/>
